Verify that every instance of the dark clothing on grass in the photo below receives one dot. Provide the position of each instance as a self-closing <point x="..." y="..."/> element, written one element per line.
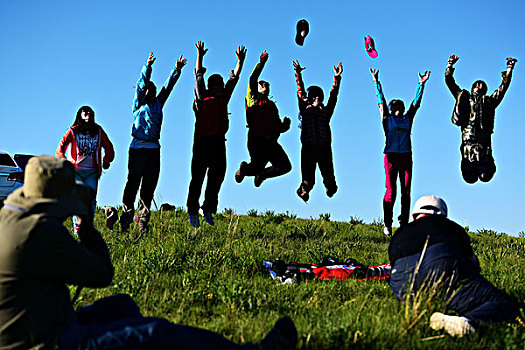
<point x="448" y="264"/>
<point x="116" y="323"/>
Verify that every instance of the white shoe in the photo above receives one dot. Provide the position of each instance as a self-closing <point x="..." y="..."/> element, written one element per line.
<point x="456" y="326"/>
<point x="387" y="231"/>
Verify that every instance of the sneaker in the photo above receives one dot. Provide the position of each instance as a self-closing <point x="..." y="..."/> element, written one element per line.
<point x="331" y="191"/>
<point x="456" y="326"/>
<point x="387" y="231"/>
<point x="305" y="196"/>
<point x="241" y="173"/>
<point x="208" y="217"/>
<point x="194" y="220"/>
<point x="111" y="217"/>
<point x="282" y="336"/>
<point x="258" y="180"/>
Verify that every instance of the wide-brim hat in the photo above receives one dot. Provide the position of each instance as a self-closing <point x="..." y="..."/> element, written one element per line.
<point x="370" y="46"/>
<point x="302" y="31"/>
<point x="53" y="179"/>
<point x="431" y="205"/>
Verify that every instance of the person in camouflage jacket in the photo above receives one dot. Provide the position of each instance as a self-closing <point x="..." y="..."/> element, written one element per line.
<point x="474" y="113"/>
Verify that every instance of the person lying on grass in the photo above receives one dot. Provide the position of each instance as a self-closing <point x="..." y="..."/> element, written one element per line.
<point x="433" y="253"/>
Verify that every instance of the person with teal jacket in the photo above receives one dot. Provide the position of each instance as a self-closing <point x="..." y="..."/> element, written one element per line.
<point x="144" y="150"/>
<point x="397" y="126"/>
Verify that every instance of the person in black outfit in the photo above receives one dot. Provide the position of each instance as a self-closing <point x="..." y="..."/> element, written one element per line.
<point x="435" y="252"/>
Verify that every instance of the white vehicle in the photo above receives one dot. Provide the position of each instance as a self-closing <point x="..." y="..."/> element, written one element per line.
<point x="11" y="175"/>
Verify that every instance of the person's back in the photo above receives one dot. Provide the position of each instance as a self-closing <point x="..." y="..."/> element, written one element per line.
<point x="38" y="257"/>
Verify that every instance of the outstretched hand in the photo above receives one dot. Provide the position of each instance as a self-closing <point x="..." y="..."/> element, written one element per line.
<point x="338" y="70"/>
<point x="241" y="53"/>
<point x="375" y="74"/>
<point x="423" y="78"/>
<point x="297" y="67"/>
<point x="151" y="59"/>
<point x="452" y="59"/>
<point x="511" y="62"/>
<point x="200" y="48"/>
<point x="264" y="57"/>
<point x="181" y="62"/>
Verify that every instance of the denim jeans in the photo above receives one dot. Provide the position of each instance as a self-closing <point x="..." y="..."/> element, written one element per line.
<point x="463" y="290"/>
<point x="88" y="177"/>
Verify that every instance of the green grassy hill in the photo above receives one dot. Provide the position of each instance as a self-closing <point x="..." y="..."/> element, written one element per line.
<point x="212" y="277"/>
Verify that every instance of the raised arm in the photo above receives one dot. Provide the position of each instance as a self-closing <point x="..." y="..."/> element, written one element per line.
<point x="332" y="100"/>
<point x="416" y="103"/>
<point x="301" y="92"/>
<point x="381" y="101"/>
<point x="200" y="86"/>
<point x="142" y="83"/>
<point x="506" y="77"/>
<point x="449" y="76"/>
<point x="166" y="89"/>
<point x="234" y="75"/>
<point x="251" y="94"/>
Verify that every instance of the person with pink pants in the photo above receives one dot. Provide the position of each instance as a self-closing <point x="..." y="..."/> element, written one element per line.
<point x="397" y="126"/>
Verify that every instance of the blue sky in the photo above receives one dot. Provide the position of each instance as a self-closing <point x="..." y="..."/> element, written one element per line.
<point x="60" y="55"/>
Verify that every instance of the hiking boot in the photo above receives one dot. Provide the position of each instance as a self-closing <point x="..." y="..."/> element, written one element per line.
<point x="208" y="217"/>
<point x="194" y="220"/>
<point x="241" y="173"/>
<point x="111" y="217"/>
<point x="304" y="195"/>
<point x="456" y="326"/>
<point x="387" y="231"/>
<point x="282" y="336"/>
<point x="331" y="191"/>
<point x="258" y="180"/>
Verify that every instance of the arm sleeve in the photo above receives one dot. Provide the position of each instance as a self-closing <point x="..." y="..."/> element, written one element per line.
<point x="251" y="93"/>
<point x="166" y="89"/>
<point x="499" y="93"/>
<point x="109" y="151"/>
<point x="85" y="263"/>
<point x="64" y="143"/>
<point x="199" y="86"/>
<point x="334" y="92"/>
<point x="142" y="83"/>
<point x="451" y="82"/>
<point x="230" y="85"/>
<point x="302" y="98"/>
<point x="416" y="103"/>
<point x="381" y="101"/>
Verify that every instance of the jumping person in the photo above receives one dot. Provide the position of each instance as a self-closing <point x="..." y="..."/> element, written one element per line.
<point x="397" y="126"/>
<point x="316" y="136"/>
<point x="85" y="140"/>
<point x="264" y="128"/>
<point x="39" y="258"/>
<point x="474" y="113"/>
<point x="435" y="253"/>
<point x="209" y="142"/>
<point x="144" y="150"/>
